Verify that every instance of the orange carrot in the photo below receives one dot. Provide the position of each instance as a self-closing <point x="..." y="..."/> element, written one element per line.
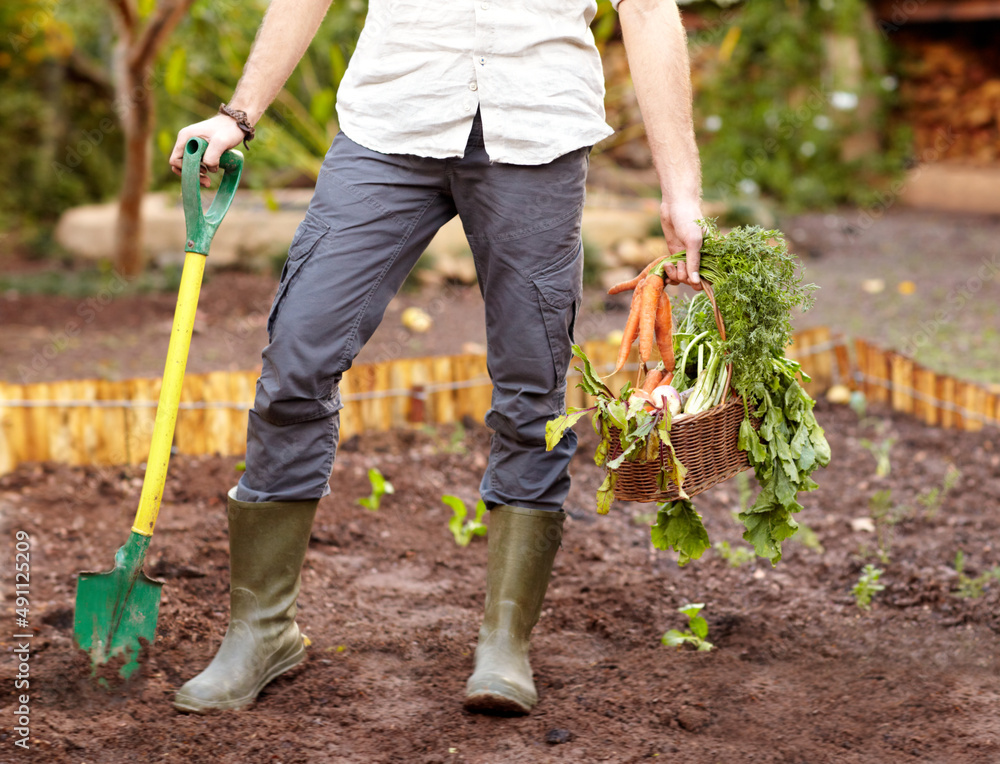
<point x="651" y="290"/>
<point x="665" y="331"/>
<point x="624" y="286"/>
<point x="631" y="330"/>
<point x="652" y="380"/>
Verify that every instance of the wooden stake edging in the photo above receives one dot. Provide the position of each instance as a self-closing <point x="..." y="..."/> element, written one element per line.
<point x="101" y="422"/>
<point x="924" y="384"/>
<point x="844" y="372"/>
<point x="902" y="382"/>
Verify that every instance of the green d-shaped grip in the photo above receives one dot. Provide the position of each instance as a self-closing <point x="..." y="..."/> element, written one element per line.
<point x="201" y="226"/>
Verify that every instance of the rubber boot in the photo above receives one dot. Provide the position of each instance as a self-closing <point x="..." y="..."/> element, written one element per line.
<point x="267" y="544"/>
<point x="522" y="547"/>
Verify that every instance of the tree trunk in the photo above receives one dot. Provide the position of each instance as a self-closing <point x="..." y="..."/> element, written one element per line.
<point x="134" y="102"/>
<point x="135" y="54"/>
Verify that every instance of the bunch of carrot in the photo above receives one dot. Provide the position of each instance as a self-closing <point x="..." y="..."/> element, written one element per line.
<point x="650" y="320"/>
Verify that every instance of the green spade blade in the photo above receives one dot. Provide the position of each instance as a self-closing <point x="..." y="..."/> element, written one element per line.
<point x="116" y="611"/>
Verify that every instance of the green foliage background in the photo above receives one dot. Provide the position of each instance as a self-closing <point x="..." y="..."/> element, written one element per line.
<point x="61" y="139"/>
<point x="44" y="103"/>
<point x="777" y="127"/>
<point x="61" y="143"/>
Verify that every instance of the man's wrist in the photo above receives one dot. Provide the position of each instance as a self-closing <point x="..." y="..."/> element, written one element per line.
<point x="688" y="201"/>
<point x="242" y="121"/>
<point x="253" y="112"/>
<point x="683" y="188"/>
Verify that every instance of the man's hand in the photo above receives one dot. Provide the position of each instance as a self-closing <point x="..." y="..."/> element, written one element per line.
<point x="222" y="134"/>
<point x="683" y="234"/>
<point x="288" y="27"/>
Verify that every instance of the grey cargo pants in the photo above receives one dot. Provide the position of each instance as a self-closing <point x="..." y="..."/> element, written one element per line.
<point x="371" y="217"/>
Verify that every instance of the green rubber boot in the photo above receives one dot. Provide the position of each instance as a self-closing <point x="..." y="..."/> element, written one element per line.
<point x="522" y="548"/>
<point x="267" y="545"/>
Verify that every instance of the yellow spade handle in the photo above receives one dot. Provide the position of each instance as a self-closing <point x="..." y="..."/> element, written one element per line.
<point x="170" y="394"/>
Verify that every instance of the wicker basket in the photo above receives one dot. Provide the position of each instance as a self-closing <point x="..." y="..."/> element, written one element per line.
<point x="705" y="443"/>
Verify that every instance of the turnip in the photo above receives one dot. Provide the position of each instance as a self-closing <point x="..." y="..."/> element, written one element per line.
<point x="665" y="396"/>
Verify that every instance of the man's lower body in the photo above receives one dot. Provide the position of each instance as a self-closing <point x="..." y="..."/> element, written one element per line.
<point x="370" y="219"/>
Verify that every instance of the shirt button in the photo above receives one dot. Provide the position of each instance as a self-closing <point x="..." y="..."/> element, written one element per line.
<point x="473" y="86"/>
<point x="467" y="106"/>
<point x="485" y="6"/>
<point x="482" y="60"/>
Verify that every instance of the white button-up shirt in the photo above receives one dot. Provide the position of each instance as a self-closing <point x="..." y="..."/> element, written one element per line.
<point x="422" y="68"/>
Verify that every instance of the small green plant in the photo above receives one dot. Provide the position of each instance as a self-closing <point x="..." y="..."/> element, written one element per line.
<point x="463" y="530"/>
<point x="380" y="487"/>
<point x="455" y="444"/>
<point x="808" y="538"/>
<point x="933" y="499"/>
<point x="885" y="515"/>
<point x="735" y="556"/>
<point x="880" y="503"/>
<point x="972" y="588"/>
<point x="859" y="404"/>
<point x="644" y="519"/>
<point x="697" y="633"/>
<point x="456" y="441"/>
<point x="867" y="586"/>
<point x="881" y="453"/>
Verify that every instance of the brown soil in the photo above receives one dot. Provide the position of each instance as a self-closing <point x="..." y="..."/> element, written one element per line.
<point x="946" y="323"/>
<point x="800" y="675"/>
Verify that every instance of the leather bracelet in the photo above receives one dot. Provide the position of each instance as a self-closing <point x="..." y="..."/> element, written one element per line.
<point x="242" y="122"/>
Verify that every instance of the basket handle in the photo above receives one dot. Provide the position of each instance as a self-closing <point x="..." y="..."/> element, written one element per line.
<point x="710" y="294"/>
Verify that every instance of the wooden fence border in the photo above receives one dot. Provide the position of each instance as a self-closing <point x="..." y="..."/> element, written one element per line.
<point x="101" y="422"/>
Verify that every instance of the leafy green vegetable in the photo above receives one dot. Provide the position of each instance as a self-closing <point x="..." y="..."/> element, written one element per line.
<point x="380" y="487"/>
<point x="463" y="530"/>
<point x="640" y="432"/>
<point x="591" y="383"/>
<point x="556" y="428"/>
<point x="756" y="287"/>
<point x="697" y="634"/>
<point x="707" y="387"/>
<point x="606" y="493"/>
<point x="679" y="527"/>
<point x="788" y="447"/>
<point x="867" y="586"/>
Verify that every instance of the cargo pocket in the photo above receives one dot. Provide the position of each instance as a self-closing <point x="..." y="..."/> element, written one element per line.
<point x="560" y="289"/>
<point x="307" y="236"/>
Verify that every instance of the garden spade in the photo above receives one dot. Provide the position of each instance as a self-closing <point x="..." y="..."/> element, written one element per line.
<point x="116" y="611"/>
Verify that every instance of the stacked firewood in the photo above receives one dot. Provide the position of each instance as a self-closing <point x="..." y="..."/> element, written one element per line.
<point x="950" y="95"/>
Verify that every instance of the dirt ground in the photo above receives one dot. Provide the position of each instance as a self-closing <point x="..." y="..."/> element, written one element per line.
<point x="799" y="674"/>
<point x="947" y="319"/>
